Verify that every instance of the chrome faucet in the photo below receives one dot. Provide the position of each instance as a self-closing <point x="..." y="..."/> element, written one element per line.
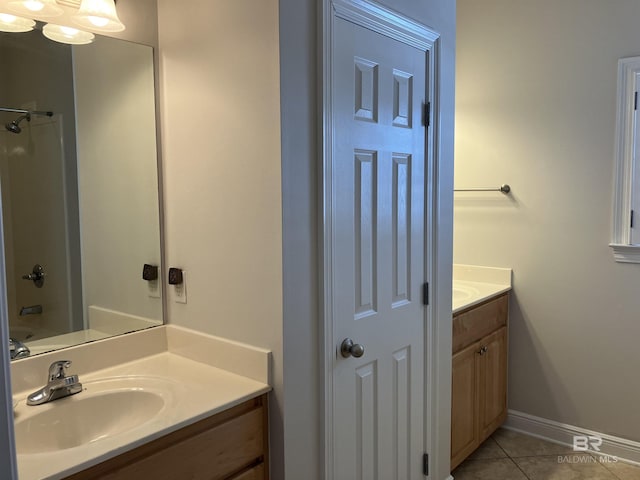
<point x="58" y="386"/>
<point x="17" y="349"/>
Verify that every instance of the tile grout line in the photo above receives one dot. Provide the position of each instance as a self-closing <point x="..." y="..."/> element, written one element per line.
<point x="511" y="458"/>
<point x="520" y="468"/>
<point x="500" y="446"/>
<point x="515" y="463"/>
<point x="616" y="477"/>
<point x="605" y="467"/>
<point x="595" y="457"/>
<point x="545" y="455"/>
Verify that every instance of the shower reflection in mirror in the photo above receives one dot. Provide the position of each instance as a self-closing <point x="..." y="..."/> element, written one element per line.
<point x="14" y="125"/>
<point x="35" y="223"/>
<point x="80" y="205"/>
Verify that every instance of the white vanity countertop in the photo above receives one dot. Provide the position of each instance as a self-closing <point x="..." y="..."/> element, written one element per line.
<point x="193" y="390"/>
<point x="56" y="342"/>
<point x="473" y="284"/>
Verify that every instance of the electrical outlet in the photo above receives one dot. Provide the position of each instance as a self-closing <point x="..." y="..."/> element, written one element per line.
<point x="180" y="290"/>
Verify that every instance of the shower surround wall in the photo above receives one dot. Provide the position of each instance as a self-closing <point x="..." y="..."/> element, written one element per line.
<point x="535" y="108"/>
<point x="39" y="183"/>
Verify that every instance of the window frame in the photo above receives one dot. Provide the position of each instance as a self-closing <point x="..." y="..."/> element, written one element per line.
<point x="628" y="84"/>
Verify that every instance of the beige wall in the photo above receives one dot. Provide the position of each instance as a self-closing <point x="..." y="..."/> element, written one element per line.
<point x="535" y="107"/>
<point x="221" y="151"/>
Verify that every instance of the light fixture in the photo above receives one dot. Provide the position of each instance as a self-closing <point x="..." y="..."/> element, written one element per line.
<point x="13" y="24"/>
<point x="98" y="15"/>
<point x="38" y="8"/>
<point x="70" y="35"/>
<point x="94" y="15"/>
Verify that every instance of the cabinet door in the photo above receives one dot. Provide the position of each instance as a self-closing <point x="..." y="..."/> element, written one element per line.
<point x="492" y="383"/>
<point x="464" y="401"/>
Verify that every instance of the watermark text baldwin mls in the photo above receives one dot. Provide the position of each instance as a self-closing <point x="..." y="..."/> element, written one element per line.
<point x="587" y="459"/>
<point x="587" y="443"/>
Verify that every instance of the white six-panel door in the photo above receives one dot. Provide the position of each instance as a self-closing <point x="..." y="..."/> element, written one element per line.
<point x="378" y="254"/>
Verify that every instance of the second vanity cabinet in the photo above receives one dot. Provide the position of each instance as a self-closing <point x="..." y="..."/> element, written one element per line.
<point x="479" y="375"/>
<point x="231" y="445"/>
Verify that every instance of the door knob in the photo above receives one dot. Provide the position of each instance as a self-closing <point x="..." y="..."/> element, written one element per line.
<point x="350" y="349"/>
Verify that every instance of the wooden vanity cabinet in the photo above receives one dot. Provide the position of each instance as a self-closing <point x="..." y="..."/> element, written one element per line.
<point x="493" y="384"/>
<point x="479" y="376"/>
<point x="231" y="445"/>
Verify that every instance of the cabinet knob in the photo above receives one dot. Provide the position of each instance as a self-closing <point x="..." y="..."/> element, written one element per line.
<point x="483" y="350"/>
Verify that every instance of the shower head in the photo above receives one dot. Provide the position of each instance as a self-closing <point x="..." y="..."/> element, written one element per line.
<point x="14" y="127"/>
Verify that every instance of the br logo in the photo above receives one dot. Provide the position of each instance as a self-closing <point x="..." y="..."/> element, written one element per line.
<point x="583" y="443"/>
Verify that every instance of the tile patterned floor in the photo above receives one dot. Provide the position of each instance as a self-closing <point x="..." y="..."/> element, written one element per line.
<point x="509" y="455"/>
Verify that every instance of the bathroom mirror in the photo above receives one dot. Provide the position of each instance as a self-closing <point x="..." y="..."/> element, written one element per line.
<point x="79" y="180"/>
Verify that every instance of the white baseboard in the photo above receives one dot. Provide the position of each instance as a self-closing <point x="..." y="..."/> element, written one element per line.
<point x="626" y="450"/>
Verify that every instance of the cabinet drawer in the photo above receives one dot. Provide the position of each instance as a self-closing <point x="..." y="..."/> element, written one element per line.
<point x="229" y="447"/>
<point x="256" y="473"/>
<point x="216" y="448"/>
<point x="472" y="325"/>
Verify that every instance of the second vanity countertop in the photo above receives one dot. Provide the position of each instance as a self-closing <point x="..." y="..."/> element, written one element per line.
<point x="474" y="284"/>
<point x="192" y="391"/>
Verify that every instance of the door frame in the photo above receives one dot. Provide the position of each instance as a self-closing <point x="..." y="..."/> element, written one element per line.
<point x="437" y="342"/>
<point x="8" y="454"/>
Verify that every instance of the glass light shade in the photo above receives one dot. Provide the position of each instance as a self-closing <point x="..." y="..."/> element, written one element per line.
<point x="37" y="8"/>
<point x="63" y="34"/>
<point x="98" y="15"/>
<point x="13" y="24"/>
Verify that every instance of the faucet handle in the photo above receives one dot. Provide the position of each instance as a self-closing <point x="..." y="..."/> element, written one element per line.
<point x="56" y="369"/>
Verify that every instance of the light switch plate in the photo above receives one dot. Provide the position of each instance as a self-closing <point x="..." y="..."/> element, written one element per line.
<point x="153" y="288"/>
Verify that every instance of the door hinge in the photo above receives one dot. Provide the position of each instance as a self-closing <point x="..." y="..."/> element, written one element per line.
<point x="631" y="225"/>
<point x="635" y="101"/>
<point x="425" y="293"/>
<point x="425" y="464"/>
<point x="427" y="114"/>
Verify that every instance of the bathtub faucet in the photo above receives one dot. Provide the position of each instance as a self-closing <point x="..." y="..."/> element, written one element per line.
<point x="32" y="310"/>
<point x="17" y="349"/>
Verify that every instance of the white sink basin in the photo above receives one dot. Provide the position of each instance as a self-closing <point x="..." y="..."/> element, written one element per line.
<point x="466" y="293"/>
<point x="463" y="292"/>
<point x="104" y="409"/>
